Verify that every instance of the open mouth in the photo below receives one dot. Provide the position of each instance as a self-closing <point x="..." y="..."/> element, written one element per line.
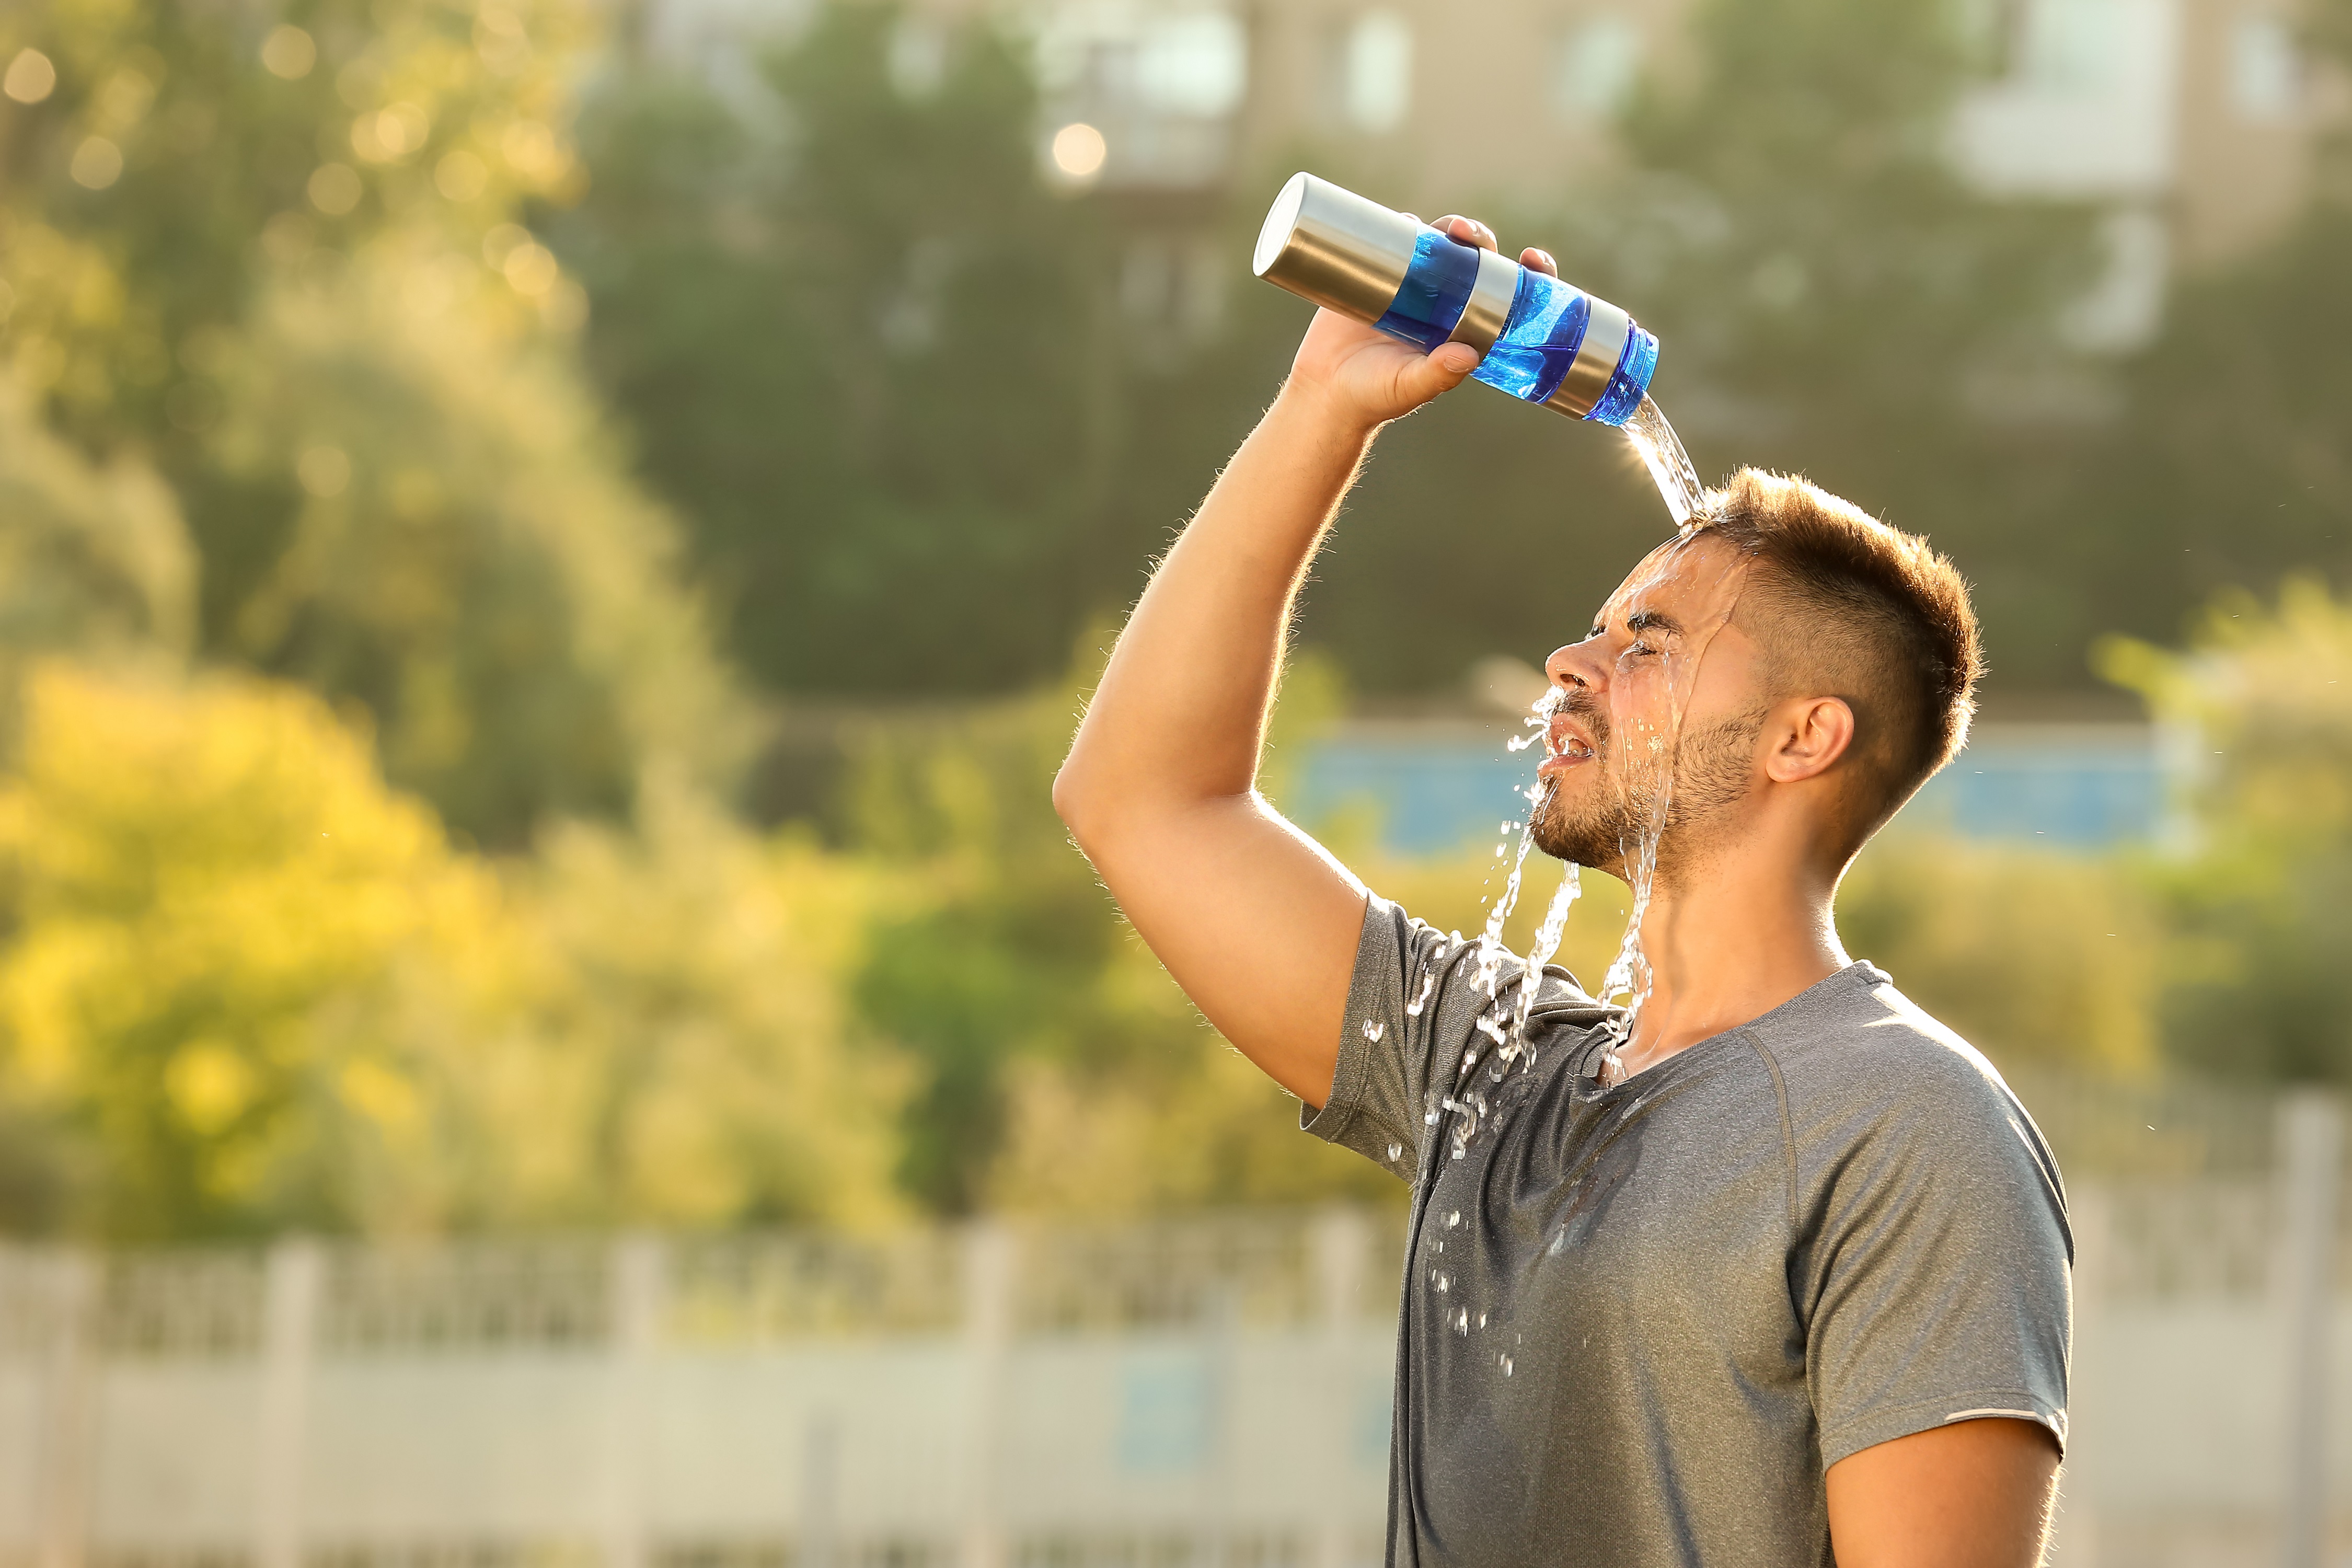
<point x="1565" y="744"/>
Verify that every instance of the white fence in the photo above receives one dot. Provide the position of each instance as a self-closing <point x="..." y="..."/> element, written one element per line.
<point x="1212" y="1391"/>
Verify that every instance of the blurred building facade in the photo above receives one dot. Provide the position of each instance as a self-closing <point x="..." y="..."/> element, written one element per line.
<point x="2194" y="120"/>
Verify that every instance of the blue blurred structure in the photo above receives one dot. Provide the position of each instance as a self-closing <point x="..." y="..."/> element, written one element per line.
<point x="1438" y="785"/>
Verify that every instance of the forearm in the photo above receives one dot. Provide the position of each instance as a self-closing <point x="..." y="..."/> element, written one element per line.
<point x="1255" y="920"/>
<point x="1180" y="712"/>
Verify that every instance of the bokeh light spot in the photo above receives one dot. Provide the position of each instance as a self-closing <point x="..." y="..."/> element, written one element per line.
<point x="31" y="77"/>
<point x="289" y="52"/>
<point x="1079" y="150"/>
<point x="335" y="189"/>
<point x="97" y="164"/>
<point x="531" y="268"/>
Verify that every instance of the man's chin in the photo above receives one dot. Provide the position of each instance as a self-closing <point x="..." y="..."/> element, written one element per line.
<point x="1591" y="845"/>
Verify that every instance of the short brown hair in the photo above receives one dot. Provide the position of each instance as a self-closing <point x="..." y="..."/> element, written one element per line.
<point x="1857" y="604"/>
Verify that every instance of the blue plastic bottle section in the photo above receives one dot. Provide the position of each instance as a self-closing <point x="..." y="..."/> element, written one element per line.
<point x="1537" y="344"/>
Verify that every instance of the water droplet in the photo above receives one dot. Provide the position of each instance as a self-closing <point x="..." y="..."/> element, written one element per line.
<point x="1482" y="1319"/>
<point x="1506" y="1366"/>
<point x="1374" y="1029"/>
<point x="1395" y="1150"/>
<point x="1453" y="1219"/>
<point x="1462" y="1323"/>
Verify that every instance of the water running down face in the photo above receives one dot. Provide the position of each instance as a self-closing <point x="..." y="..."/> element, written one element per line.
<point x="1653" y="718"/>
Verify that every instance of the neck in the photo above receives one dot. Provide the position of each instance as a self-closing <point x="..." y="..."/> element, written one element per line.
<point x="1727" y="942"/>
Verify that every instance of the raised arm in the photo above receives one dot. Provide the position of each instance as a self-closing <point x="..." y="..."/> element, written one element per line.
<point x="1255" y="920"/>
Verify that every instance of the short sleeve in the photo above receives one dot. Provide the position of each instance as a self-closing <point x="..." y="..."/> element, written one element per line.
<point x="1940" y="1270"/>
<point x="1414" y="1001"/>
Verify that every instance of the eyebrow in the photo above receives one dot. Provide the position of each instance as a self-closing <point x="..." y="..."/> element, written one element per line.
<point x="1641" y="621"/>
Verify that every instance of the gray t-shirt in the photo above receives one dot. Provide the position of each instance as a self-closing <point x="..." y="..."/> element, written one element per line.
<point x="1640" y="1324"/>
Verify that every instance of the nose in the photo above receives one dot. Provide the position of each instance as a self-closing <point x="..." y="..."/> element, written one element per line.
<point x="1578" y="664"/>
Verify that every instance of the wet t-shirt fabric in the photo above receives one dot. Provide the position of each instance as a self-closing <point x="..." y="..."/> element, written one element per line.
<point x="1640" y="1323"/>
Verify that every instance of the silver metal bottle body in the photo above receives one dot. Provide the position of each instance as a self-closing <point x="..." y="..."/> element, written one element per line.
<point x="1350" y="255"/>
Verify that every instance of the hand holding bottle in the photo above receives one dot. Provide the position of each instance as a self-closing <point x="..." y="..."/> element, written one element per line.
<point x="1364" y="377"/>
<point x="1435" y="287"/>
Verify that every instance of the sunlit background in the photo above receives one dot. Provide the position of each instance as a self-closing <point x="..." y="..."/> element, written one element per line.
<point x="548" y="551"/>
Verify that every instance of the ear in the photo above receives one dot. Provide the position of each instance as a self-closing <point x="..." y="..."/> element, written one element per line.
<point x="1809" y="735"/>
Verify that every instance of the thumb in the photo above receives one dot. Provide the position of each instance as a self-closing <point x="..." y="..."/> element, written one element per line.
<point x="1443" y="369"/>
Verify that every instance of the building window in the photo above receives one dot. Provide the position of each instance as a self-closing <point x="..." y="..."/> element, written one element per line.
<point x="2265" y="71"/>
<point x="1376" y="72"/>
<point x="1598" y="60"/>
<point x="1193" y="63"/>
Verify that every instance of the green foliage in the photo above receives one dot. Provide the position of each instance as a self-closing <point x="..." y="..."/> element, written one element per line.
<point x="274" y="253"/>
<point x="1063" y="1067"/>
<point x="247" y="986"/>
<point x="1831" y="297"/>
<point x="2040" y="960"/>
<point x="92" y="561"/>
<point x="2262" y="913"/>
<point x="861" y="357"/>
<point x="2232" y="463"/>
<point x="116" y="286"/>
<point x="1801" y="231"/>
<point x="479" y="574"/>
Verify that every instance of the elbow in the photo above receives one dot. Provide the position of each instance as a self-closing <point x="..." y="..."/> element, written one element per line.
<point x="1074" y="800"/>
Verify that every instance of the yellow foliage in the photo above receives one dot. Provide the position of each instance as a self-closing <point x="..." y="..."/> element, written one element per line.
<point x="263" y="989"/>
<point x="2038" y="958"/>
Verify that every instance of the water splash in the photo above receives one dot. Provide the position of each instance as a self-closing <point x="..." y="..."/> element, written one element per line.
<point x="1670" y="467"/>
<point x="1539" y="953"/>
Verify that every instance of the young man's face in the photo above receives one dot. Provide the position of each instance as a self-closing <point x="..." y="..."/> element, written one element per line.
<point x="1661" y="703"/>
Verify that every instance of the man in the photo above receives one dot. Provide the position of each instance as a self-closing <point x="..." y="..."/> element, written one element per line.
<point x="1782" y="1274"/>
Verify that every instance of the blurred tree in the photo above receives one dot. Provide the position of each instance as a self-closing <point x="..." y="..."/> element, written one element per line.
<point x="1022" y="996"/>
<point x="465" y="558"/>
<point x="1831" y="295"/>
<point x="2233" y="462"/>
<point x="248" y="987"/>
<point x="2038" y="960"/>
<point x="93" y="561"/>
<point x="860" y="353"/>
<point x="273" y="252"/>
<point x="2261" y="913"/>
<point x="189" y="875"/>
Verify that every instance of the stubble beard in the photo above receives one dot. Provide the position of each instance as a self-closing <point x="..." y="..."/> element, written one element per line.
<point x="1678" y="798"/>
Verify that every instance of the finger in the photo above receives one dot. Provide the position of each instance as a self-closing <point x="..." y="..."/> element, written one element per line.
<point x="1542" y="261"/>
<point x="1440" y="369"/>
<point x="1466" y="231"/>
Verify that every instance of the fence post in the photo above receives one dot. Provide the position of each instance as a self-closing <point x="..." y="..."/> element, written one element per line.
<point x="990" y="1261"/>
<point x="291" y="1278"/>
<point x="68" y="1293"/>
<point x="1341" y="1250"/>
<point x="2311" y="1139"/>
<point x="820" y="1544"/>
<point x="636" y="1285"/>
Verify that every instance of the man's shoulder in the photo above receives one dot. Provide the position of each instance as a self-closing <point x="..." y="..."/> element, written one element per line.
<point x="1868" y="1060"/>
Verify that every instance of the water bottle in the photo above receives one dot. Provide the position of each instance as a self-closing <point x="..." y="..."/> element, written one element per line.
<point x="1542" y="341"/>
